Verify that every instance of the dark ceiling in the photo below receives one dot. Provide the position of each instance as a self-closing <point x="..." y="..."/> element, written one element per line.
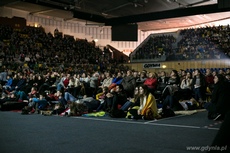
<point x="148" y="14"/>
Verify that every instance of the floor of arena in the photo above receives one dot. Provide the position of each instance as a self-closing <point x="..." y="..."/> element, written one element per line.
<point x="54" y="134"/>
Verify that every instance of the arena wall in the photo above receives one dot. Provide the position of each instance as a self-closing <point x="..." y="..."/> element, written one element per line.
<point x="178" y="65"/>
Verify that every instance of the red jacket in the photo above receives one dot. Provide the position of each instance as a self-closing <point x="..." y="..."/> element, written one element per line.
<point x="151" y="83"/>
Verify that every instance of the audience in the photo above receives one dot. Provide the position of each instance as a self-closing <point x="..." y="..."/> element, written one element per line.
<point x="35" y="63"/>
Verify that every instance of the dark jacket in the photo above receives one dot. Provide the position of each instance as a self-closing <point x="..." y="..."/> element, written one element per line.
<point x="129" y="83"/>
<point x="220" y="97"/>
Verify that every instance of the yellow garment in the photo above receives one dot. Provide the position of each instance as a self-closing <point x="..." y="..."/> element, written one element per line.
<point x="150" y="105"/>
<point x="98" y="95"/>
<point x="95" y="114"/>
<point x="129" y="114"/>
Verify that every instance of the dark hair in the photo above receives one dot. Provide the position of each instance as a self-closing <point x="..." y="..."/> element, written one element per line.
<point x="120" y="86"/>
<point x="145" y="87"/>
<point x="176" y="72"/>
<point x="106" y="89"/>
<point x="221" y="78"/>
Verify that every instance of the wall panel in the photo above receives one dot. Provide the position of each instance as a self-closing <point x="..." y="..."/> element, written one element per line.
<point x="183" y="65"/>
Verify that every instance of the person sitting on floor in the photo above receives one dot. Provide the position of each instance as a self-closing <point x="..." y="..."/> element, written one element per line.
<point x="219" y="104"/>
<point x="135" y="101"/>
<point x="37" y="104"/>
<point x="102" y="98"/>
<point x="147" y="109"/>
<point x="118" y="97"/>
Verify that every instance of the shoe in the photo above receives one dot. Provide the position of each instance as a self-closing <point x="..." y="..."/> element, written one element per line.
<point x="19" y="100"/>
<point x="218" y="117"/>
<point x="32" y="111"/>
<point x="129" y="117"/>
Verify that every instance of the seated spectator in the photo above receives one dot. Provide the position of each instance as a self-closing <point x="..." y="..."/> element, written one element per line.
<point x="91" y="103"/>
<point x="199" y="86"/>
<point x="93" y="85"/>
<point x="74" y="86"/>
<point x="8" y="83"/>
<point x="141" y="79"/>
<point x="21" y="83"/>
<point x="38" y="103"/>
<point x="185" y="90"/>
<point x="135" y="101"/>
<point x="219" y="104"/>
<point x="129" y="83"/>
<point x="209" y="78"/>
<point x="172" y="84"/>
<point x="170" y="93"/>
<point x="102" y="98"/>
<point x="117" y="79"/>
<point x="63" y="84"/>
<point x="162" y="83"/>
<point x="151" y="82"/>
<point x="147" y="109"/>
<point x="107" y="81"/>
<point x="115" y="98"/>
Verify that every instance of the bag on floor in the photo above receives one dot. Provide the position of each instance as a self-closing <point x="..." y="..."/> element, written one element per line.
<point x="117" y="113"/>
<point x="167" y="112"/>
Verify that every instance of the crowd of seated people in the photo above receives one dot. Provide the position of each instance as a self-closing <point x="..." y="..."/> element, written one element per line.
<point x="205" y="43"/>
<point x="155" y="47"/>
<point x="33" y="48"/>
<point x="194" y="43"/>
<point x="100" y="92"/>
<point x="42" y="76"/>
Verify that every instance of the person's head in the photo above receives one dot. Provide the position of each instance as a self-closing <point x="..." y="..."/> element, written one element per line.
<point x="214" y="73"/>
<point x="163" y="73"/>
<point x="83" y="75"/>
<point x="174" y="73"/>
<point x="129" y="73"/>
<point x="227" y="77"/>
<point x="135" y="74"/>
<point x="119" y="88"/>
<point x="68" y="75"/>
<point x="219" y="78"/>
<point x="152" y="75"/>
<point x="197" y="72"/>
<point x="143" y="75"/>
<point x="143" y="90"/>
<point x="183" y="73"/>
<point x="136" y="91"/>
<point x="8" y="77"/>
<point x="108" y="74"/>
<point x="33" y="89"/>
<point x="39" y="77"/>
<point x="41" y="96"/>
<point x="188" y="75"/>
<point x="105" y="89"/>
<point x="208" y="71"/>
<point x="119" y="74"/>
<point x="227" y="71"/>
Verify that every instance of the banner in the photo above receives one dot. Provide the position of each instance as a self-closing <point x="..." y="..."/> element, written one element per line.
<point x="152" y="65"/>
